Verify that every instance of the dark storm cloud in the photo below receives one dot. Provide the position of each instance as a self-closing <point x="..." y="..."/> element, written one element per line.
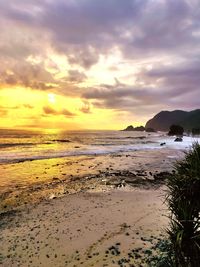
<point x="162" y="31"/>
<point x="84" y="29"/>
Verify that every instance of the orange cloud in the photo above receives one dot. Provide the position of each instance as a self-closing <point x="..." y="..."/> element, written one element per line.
<point x="51" y="111"/>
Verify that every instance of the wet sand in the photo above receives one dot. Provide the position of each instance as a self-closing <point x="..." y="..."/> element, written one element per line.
<point x="33" y="181"/>
<point x="100" y="211"/>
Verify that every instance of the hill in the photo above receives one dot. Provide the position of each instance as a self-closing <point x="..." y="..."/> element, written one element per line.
<point x="164" y="119"/>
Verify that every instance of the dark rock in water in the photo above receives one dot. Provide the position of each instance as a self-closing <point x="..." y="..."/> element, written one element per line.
<point x="150" y="130"/>
<point x="129" y="128"/>
<point x="61" y="140"/>
<point x="178" y="139"/>
<point x="136" y="137"/>
<point x="139" y="128"/>
<point x="162" y="144"/>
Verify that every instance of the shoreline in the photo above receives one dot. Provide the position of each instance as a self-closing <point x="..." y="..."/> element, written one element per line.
<point x="105" y="211"/>
<point x="49" y="178"/>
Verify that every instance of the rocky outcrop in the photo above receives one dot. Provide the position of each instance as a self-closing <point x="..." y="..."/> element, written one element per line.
<point x="131" y="128"/>
<point x="178" y="139"/>
<point x="164" y="119"/>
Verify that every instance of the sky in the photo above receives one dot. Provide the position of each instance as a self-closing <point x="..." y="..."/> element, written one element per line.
<point x="90" y="64"/>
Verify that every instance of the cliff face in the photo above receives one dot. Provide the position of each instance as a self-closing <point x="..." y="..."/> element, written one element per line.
<point x="164" y="119"/>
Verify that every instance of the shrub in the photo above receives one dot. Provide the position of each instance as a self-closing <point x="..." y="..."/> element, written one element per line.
<point x="176" y="130"/>
<point x="183" y="198"/>
<point x="196" y="131"/>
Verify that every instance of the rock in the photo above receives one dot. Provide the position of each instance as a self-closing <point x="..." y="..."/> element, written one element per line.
<point x="150" y="130"/>
<point x="115" y="182"/>
<point x="163" y="120"/>
<point x="129" y="128"/>
<point x="52" y="196"/>
<point x="178" y="139"/>
<point x="55" y="179"/>
<point x="161" y="176"/>
<point x="162" y="144"/>
<point x="61" y="140"/>
<point x="139" y="128"/>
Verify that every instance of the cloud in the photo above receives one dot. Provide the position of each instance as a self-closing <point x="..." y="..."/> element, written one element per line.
<point x="86" y="108"/>
<point x="51" y="111"/>
<point x="76" y="76"/>
<point x="3" y="112"/>
<point x="164" y="87"/>
<point x="28" y="106"/>
<point x="164" y="34"/>
<point x="28" y="75"/>
<point x="67" y="113"/>
<point x="84" y="30"/>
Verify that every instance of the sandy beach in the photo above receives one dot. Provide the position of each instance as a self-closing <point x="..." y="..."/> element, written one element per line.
<point x="106" y="211"/>
<point x="86" y="229"/>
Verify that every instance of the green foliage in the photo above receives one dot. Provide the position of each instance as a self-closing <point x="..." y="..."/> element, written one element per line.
<point x="164" y="256"/>
<point x="196" y="131"/>
<point x="183" y="199"/>
<point x="176" y="130"/>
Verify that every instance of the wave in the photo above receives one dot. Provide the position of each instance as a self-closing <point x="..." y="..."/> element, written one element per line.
<point x="61" y="140"/>
<point x="5" y="145"/>
<point x="17" y="158"/>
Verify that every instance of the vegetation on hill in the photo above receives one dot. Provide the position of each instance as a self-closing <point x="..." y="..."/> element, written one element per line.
<point x="176" y="130"/>
<point x="196" y="131"/>
<point x="164" y="119"/>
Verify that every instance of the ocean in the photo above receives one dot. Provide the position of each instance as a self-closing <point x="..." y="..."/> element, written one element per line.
<point x="20" y="147"/>
<point x="32" y="163"/>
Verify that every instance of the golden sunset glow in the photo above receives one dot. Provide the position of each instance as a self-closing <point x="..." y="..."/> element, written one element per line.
<point x="37" y="110"/>
<point x="65" y="67"/>
<point x="52" y="98"/>
<point x="53" y="109"/>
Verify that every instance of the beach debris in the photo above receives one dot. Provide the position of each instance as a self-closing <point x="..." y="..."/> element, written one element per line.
<point x="161" y="175"/>
<point x="52" y="196"/>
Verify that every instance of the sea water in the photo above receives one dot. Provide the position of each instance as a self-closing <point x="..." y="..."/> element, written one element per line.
<point x="19" y="147"/>
<point x="32" y="158"/>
